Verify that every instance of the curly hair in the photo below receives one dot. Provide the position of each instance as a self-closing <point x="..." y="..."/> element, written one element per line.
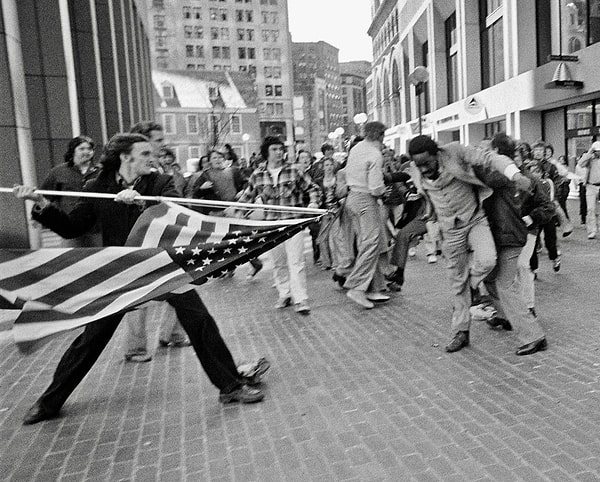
<point x="420" y="144"/>
<point x="117" y="145"/>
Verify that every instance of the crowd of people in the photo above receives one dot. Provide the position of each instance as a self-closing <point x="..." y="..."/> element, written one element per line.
<point x="484" y="209"/>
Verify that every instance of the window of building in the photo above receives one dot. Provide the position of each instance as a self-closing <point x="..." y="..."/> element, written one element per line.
<point x="189" y="50"/>
<point x="580" y="116"/>
<point x="226" y="52"/>
<point x="270" y="108"/>
<point x="278" y="91"/>
<point x="198" y="32"/>
<point x="250" y="34"/>
<point x="268" y="72"/>
<point x="200" y="51"/>
<point x="168" y="122"/>
<point x="277" y="72"/>
<point x="236" y="124"/>
<point x="216" y="52"/>
<point x="168" y="91"/>
<point x="249" y="16"/>
<point x="194" y="152"/>
<point x="274" y="17"/>
<point x="278" y="108"/>
<point x="452" y="58"/>
<point x="197" y="13"/>
<point x="161" y="41"/>
<point x="492" y="128"/>
<point x="269" y="90"/>
<point x="187" y="12"/>
<point x="239" y="15"/>
<point x="214" y="33"/>
<point x="276" y="54"/>
<point x="241" y="34"/>
<point x="200" y="66"/>
<point x="214" y="13"/>
<point x="243" y="68"/>
<point x="492" y="42"/>
<point x="265" y="35"/>
<point x="273" y="2"/>
<point x="188" y="31"/>
<point x="215" y="124"/>
<point x="225" y="33"/>
<point x="159" y="21"/>
<point x="192" y="124"/>
<point x="265" y="17"/>
<point x="223" y="14"/>
<point x="251" y="53"/>
<point x="275" y="35"/>
<point x="158" y="3"/>
<point x="241" y="52"/>
<point x="162" y="62"/>
<point x="190" y="66"/>
<point x="264" y="2"/>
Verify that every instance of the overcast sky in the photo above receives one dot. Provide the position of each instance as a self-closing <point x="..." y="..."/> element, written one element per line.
<point x="341" y="23"/>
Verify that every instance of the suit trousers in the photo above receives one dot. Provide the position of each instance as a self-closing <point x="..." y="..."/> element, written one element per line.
<point x="471" y="256"/>
<point x="200" y="326"/>
<point x="366" y="274"/>
<point x="525" y="274"/>
<point x="504" y="286"/>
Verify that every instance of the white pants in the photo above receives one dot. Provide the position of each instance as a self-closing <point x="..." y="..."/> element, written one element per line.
<point x="591" y="197"/>
<point x="525" y="275"/>
<point x="288" y="268"/>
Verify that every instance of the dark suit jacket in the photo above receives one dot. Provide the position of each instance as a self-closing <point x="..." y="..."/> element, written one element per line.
<point x="115" y="219"/>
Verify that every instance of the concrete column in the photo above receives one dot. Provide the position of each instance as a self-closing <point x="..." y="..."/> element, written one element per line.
<point x="16" y="229"/>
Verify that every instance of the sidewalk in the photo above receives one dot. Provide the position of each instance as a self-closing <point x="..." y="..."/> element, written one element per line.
<point x="352" y="395"/>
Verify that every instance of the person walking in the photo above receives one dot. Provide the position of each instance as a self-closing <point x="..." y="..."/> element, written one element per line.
<point x="591" y="162"/>
<point x="126" y="171"/>
<point x="364" y="179"/>
<point x="279" y="184"/>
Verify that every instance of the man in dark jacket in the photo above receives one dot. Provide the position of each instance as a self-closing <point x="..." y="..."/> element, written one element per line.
<point x="509" y="230"/>
<point x="126" y="172"/>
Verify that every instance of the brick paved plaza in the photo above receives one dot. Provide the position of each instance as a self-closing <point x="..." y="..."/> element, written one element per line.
<point x="352" y="395"/>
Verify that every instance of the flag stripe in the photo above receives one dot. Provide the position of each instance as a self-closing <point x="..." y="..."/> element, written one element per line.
<point x="15" y="262"/>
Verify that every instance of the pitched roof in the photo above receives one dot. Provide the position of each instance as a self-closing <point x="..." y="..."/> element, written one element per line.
<point x="193" y="89"/>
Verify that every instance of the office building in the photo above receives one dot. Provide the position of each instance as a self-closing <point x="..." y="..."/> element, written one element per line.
<point x="528" y="68"/>
<point x="234" y="35"/>
<point x="66" y="68"/>
<point x="353" y="77"/>
<point x="317" y="93"/>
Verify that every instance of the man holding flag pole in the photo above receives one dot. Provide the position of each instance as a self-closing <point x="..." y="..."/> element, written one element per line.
<point x="126" y="171"/>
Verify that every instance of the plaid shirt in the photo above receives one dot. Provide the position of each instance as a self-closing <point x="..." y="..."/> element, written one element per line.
<point x="291" y="189"/>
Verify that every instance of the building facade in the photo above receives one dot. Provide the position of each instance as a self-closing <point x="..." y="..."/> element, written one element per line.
<point x="317" y="92"/>
<point x="231" y="35"/>
<point x="66" y="68"/>
<point x="203" y="110"/>
<point x="353" y="77"/>
<point x="528" y="68"/>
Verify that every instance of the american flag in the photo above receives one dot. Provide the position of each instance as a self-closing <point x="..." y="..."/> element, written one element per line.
<point x="56" y="290"/>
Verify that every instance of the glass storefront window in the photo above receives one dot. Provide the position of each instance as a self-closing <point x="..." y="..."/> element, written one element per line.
<point x="580" y="116"/>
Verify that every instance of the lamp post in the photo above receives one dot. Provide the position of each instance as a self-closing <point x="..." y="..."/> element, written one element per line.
<point x="339" y="132"/>
<point x="246" y="138"/>
<point x="417" y="78"/>
<point x="359" y="119"/>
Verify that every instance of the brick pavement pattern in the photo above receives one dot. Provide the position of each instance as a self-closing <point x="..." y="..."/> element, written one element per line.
<point x="352" y="395"/>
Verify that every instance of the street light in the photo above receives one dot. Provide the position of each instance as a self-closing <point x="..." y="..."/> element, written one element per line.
<point x="417" y="78"/>
<point x="246" y="138"/>
<point x="339" y="132"/>
<point x="360" y="119"/>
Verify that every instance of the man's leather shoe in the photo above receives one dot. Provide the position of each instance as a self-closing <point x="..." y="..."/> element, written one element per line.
<point x="243" y="394"/>
<point x="373" y="296"/>
<point x="499" y="324"/>
<point x="533" y="347"/>
<point x="37" y="413"/>
<point x="458" y="342"/>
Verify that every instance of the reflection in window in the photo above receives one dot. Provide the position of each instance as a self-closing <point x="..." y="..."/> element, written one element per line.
<point x="579" y="116"/>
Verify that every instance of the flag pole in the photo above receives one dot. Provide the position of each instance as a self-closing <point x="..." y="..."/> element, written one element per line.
<point x="195" y="202"/>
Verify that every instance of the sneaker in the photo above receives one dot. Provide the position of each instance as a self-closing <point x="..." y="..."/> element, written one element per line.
<point x="302" y="308"/>
<point x="283" y="303"/>
<point x="360" y="298"/>
<point x="432" y="258"/>
<point x="458" y="342"/>
<point x="412" y="252"/>
<point x="499" y="324"/>
<point x="138" y="357"/>
<point x="243" y="394"/>
<point x="482" y="312"/>
<point x="252" y="372"/>
<point x="556" y="264"/>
